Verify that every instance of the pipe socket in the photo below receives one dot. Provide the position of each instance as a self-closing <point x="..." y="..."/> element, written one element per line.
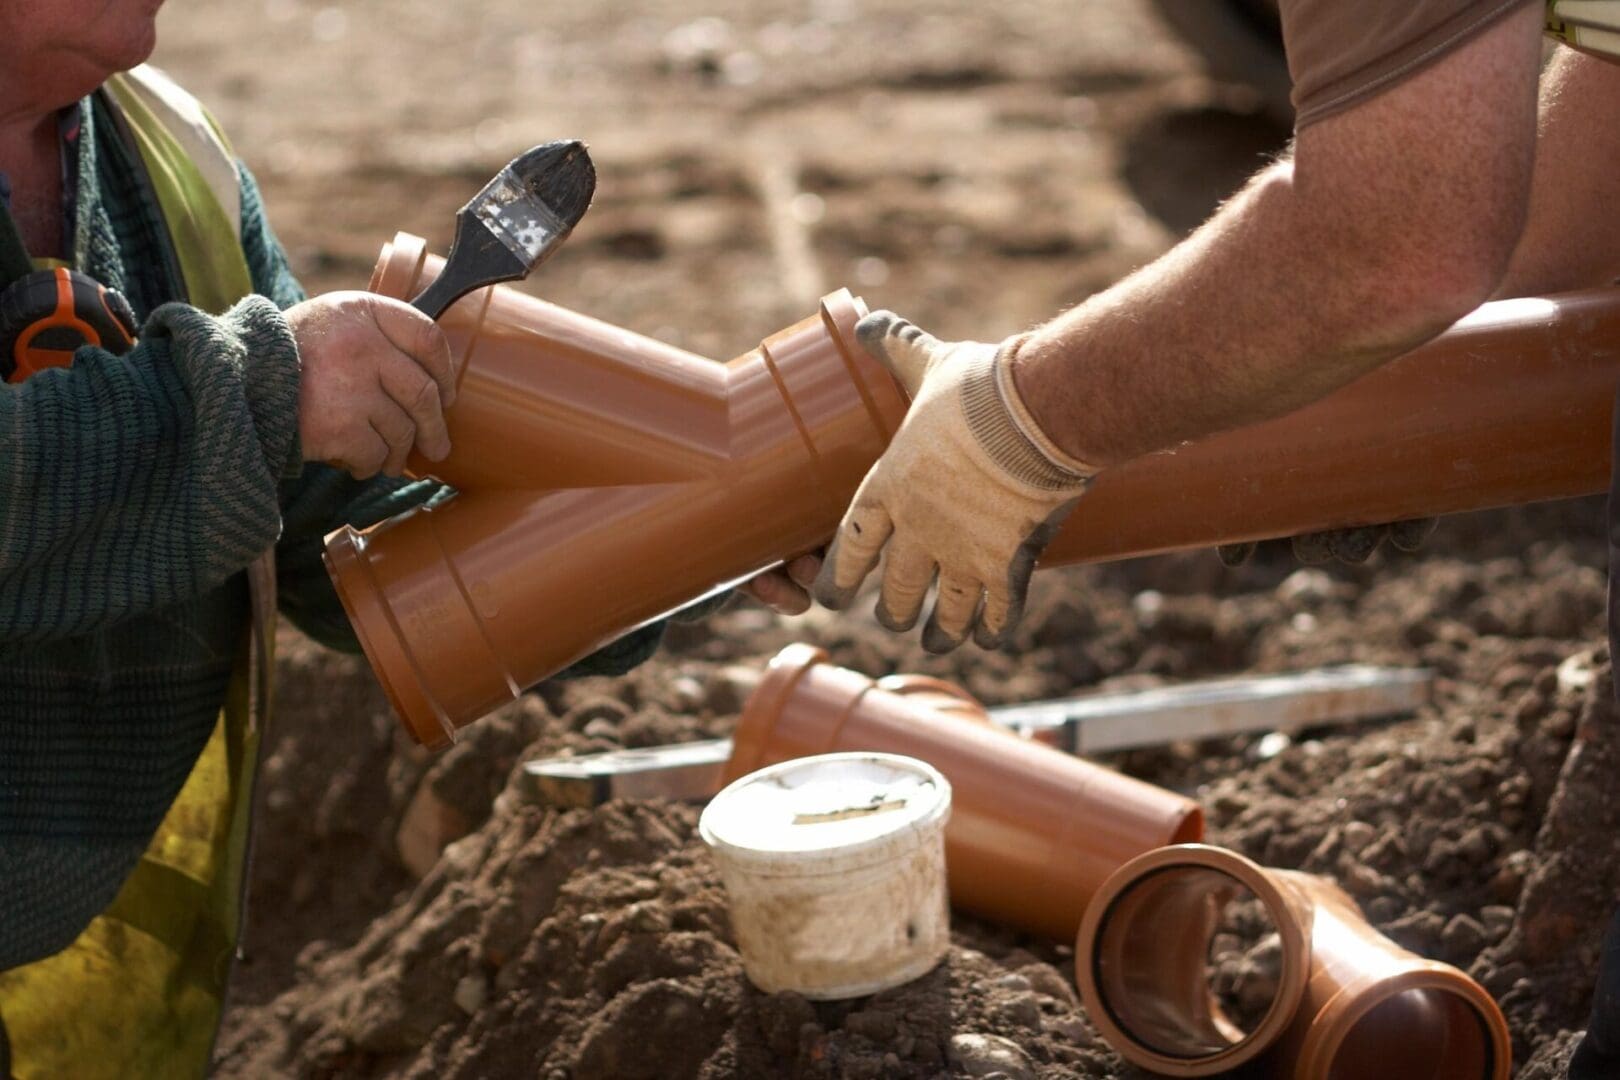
<point x="603" y="480"/>
<point x="1348" y="1002"/>
<point x="1033" y="832"/>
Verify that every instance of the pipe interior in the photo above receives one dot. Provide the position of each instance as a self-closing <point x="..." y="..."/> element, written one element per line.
<point x="1187" y="962"/>
<point x="1427" y="1033"/>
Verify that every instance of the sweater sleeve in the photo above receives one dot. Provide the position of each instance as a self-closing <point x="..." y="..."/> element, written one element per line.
<point x="130" y="482"/>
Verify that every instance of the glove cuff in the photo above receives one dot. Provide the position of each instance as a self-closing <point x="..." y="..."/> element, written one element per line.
<point x="1004" y="429"/>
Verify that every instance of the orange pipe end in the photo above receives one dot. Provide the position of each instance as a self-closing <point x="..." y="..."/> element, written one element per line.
<point x="1350" y="1003"/>
<point x="1033" y="832"/>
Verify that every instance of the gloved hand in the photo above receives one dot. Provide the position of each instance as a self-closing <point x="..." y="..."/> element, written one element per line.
<point x="970" y="489"/>
<point x="1346" y="545"/>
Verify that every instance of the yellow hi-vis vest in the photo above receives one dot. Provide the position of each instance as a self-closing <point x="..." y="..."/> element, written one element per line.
<point x="138" y="994"/>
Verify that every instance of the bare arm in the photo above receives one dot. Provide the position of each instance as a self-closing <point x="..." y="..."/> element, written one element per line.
<point x="1391" y="220"/>
<point x="1572" y="237"/>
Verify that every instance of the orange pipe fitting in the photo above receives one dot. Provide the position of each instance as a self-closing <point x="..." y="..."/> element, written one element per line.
<point x="1033" y="832"/>
<point x="1350" y="1003"/>
<point x="1511" y="405"/>
<point x="606" y="479"/>
<point x="603" y="481"/>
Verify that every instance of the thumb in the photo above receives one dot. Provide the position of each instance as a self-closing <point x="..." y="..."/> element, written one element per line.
<point x="900" y="345"/>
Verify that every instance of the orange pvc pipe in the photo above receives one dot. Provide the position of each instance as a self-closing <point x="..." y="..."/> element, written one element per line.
<point x="1350" y="1002"/>
<point x="603" y="480"/>
<point x="1033" y="832"/>
<point x="1511" y="405"/>
<point x="606" y="479"/>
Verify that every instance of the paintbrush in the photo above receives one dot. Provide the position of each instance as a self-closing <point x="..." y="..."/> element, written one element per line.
<point x="515" y="223"/>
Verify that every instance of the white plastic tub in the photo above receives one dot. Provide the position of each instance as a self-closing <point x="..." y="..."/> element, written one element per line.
<point x="835" y="870"/>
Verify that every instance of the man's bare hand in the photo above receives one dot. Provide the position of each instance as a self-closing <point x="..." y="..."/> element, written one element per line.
<point x="786" y="589"/>
<point x="375" y="382"/>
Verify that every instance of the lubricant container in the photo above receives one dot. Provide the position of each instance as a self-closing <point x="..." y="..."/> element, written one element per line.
<point x="835" y="870"/>
<point x="1349" y="1002"/>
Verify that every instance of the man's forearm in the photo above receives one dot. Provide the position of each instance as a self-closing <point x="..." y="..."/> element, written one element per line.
<point x="1393" y="219"/>
<point x="1259" y="312"/>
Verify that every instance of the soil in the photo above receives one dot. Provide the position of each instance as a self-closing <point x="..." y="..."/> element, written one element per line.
<point x="977" y="167"/>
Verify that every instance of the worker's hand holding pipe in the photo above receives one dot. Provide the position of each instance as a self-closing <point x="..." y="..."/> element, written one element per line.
<point x="970" y="489"/>
<point x="786" y="588"/>
<point x="374" y="380"/>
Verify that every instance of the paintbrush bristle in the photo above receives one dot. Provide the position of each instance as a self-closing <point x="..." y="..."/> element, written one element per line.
<point x="562" y="176"/>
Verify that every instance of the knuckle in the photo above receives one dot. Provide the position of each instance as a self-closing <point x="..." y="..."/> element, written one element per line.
<point x="425" y="397"/>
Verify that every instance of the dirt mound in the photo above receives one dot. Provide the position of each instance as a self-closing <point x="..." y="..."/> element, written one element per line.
<point x="596" y="943"/>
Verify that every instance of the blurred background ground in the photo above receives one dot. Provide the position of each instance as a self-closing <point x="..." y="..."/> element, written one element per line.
<point x="978" y="167"/>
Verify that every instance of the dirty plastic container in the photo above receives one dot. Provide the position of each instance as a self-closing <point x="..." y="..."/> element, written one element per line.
<point x="835" y="870"/>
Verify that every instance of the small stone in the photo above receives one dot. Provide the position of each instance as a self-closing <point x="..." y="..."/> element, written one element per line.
<point x="1576" y="673"/>
<point x="1463" y="936"/>
<point x="1476" y="846"/>
<point x="1357" y="836"/>
<point x="1069" y="1027"/>
<point x="470" y="993"/>
<point x="1497" y="920"/>
<point x="686" y="694"/>
<point x="982" y="1056"/>
<point x="1363" y="880"/>
<point x="1383" y="909"/>
<point x="1305" y="586"/>
<point x="1020" y="1010"/>
<point x="1510" y="876"/>
<point x="1046" y="979"/>
<point x="728" y="689"/>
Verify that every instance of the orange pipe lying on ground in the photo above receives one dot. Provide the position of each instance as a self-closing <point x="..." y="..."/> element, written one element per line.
<point x="1033" y="832"/>
<point x="606" y="479"/>
<point x="1350" y="1003"/>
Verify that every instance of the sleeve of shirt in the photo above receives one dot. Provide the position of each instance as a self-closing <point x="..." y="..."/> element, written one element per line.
<point x="1341" y="54"/>
<point x="131" y="482"/>
<point x="321" y="499"/>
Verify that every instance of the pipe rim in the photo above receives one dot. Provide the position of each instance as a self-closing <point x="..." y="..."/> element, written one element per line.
<point x="366" y="607"/>
<point x="1280" y="906"/>
<point x="759" y="713"/>
<point x="1327" y="1036"/>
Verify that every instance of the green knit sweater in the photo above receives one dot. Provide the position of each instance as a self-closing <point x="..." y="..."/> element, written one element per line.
<point x="134" y="490"/>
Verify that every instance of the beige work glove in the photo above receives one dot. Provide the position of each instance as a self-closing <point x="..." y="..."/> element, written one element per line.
<point x="970" y="489"/>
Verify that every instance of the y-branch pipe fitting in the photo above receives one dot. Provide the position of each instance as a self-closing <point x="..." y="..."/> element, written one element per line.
<point x="1349" y="1003"/>
<point x="1033" y="832"/>
<point x="603" y="480"/>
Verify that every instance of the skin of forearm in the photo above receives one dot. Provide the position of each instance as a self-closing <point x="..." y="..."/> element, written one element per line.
<point x="1269" y="306"/>
<point x="1388" y="222"/>
<point x="1572" y="236"/>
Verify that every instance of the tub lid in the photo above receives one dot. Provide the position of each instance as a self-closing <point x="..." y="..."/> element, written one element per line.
<point x="853" y="808"/>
